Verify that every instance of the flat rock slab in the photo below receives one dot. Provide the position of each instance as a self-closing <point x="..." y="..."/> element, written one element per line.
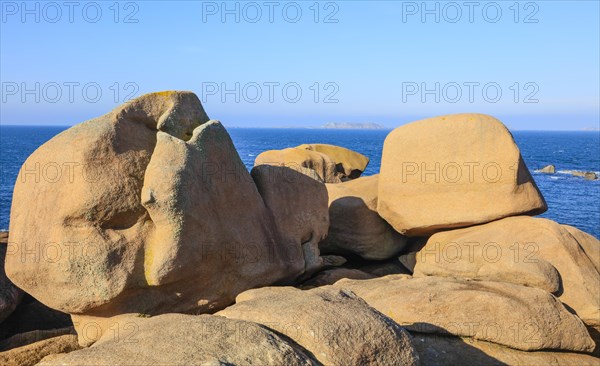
<point x="521" y="250"/>
<point x="436" y="350"/>
<point x="336" y="326"/>
<point x="31" y="354"/>
<point x="516" y="316"/>
<point x="177" y="339"/>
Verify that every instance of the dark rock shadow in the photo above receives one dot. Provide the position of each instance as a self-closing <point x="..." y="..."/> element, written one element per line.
<point x="595" y="334"/>
<point x="31" y="315"/>
<point x="292" y="343"/>
<point x="443" y="349"/>
<point x="376" y="268"/>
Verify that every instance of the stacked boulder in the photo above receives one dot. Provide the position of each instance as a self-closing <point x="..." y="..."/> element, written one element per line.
<point x="355" y="226"/>
<point x="434" y="261"/>
<point x="457" y="193"/>
<point x="298" y="208"/>
<point x="455" y="321"/>
<point x="334" y="325"/>
<point x="526" y="251"/>
<point x="327" y="163"/>
<point x="157" y="215"/>
<point x="515" y="316"/>
<point x="453" y="171"/>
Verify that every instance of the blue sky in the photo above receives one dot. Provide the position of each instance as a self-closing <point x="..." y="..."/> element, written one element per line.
<point x="534" y="65"/>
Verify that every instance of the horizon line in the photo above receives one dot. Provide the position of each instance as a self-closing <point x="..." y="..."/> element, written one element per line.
<point x="312" y="128"/>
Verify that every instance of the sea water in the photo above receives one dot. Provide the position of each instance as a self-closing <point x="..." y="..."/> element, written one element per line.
<point x="571" y="200"/>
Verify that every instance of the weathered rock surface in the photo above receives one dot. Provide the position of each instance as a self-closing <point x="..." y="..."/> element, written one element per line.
<point x="154" y="212"/>
<point x="314" y="164"/>
<point x="33" y="353"/>
<point x="551" y="169"/>
<point x="23" y="339"/>
<point x="298" y="205"/>
<point x="327" y="163"/>
<point x="409" y="260"/>
<point x="176" y="339"/>
<point x="516" y="316"/>
<point x="453" y="171"/>
<point x="589" y="244"/>
<point x="331" y="276"/>
<point x="198" y="212"/>
<point x="436" y="350"/>
<point x="355" y="226"/>
<point x="10" y="295"/>
<point x="522" y="250"/>
<point x="336" y="326"/>
<point x="97" y="239"/>
<point x="349" y="164"/>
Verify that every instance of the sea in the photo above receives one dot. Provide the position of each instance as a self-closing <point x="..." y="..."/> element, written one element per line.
<point x="571" y="200"/>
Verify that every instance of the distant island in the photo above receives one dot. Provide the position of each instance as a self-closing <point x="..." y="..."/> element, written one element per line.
<point x="590" y="128"/>
<point x="353" y="126"/>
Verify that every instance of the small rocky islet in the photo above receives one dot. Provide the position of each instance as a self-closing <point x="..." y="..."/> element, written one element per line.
<point x="160" y="247"/>
<point x="551" y="169"/>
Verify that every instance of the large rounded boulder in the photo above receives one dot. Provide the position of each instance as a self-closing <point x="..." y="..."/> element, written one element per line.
<point x="516" y="316"/>
<point x="523" y="250"/>
<point x="355" y="226"/>
<point x="453" y="171"/>
<point x="298" y="206"/>
<point x="589" y="244"/>
<point x="177" y="339"/>
<point x="327" y="163"/>
<point x="336" y="326"/>
<point x="349" y="164"/>
<point x="314" y="164"/>
<point x="147" y="209"/>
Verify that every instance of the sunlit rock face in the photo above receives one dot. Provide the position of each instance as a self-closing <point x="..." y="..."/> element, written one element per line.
<point x="147" y="209"/>
<point x="453" y="171"/>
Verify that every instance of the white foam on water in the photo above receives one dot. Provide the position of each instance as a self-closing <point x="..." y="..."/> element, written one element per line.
<point x="573" y="171"/>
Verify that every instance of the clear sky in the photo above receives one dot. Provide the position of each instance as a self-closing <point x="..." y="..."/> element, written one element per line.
<point x="535" y="65"/>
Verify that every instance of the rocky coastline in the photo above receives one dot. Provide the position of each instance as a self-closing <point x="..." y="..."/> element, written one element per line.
<point x="157" y="246"/>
